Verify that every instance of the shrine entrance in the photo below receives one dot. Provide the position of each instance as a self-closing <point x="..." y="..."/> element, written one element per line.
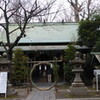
<point x="41" y="72"/>
<point x="42" y="76"/>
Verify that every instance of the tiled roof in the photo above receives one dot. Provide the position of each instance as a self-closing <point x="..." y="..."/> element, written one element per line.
<point x="43" y="47"/>
<point x="45" y="33"/>
<point x="36" y="48"/>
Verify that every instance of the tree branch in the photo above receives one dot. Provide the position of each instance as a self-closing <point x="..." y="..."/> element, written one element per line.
<point x="13" y="13"/>
<point x="2" y="25"/>
<point x="14" y="30"/>
<point x="3" y="45"/>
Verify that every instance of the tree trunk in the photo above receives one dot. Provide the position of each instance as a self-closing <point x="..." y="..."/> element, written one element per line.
<point x="88" y="8"/>
<point x="76" y="13"/>
<point x="74" y="4"/>
<point x="9" y="54"/>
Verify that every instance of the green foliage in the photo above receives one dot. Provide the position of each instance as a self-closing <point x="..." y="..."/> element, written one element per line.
<point x="68" y="74"/>
<point x="55" y="70"/>
<point x="69" y="55"/>
<point x="89" y="35"/>
<point x="89" y="31"/>
<point x="97" y="46"/>
<point x="87" y="75"/>
<point x="20" y="70"/>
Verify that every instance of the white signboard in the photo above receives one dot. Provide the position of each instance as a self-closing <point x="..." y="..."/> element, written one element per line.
<point x="97" y="71"/>
<point x="3" y="82"/>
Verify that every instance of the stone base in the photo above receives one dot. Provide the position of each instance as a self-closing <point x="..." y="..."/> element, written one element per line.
<point x="78" y="91"/>
<point x="78" y="84"/>
<point x="10" y="90"/>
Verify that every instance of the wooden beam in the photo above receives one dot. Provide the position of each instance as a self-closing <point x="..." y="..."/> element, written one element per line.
<point x="49" y="61"/>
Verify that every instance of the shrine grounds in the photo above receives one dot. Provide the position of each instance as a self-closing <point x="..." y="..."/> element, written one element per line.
<point x="60" y="92"/>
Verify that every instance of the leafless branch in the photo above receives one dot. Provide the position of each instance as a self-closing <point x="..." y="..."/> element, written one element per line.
<point x="20" y="12"/>
<point x="14" y="30"/>
<point x="3" y="45"/>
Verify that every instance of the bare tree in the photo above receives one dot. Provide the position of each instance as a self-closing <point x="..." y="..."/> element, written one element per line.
<point x="89" y="9"/>
<point x="77" y="8"/>
<point x="67" y="16"/>
<point x="20" y="12"/>
<point x="83" y="9"/>
<point x="51" y="15"/>
<point x="92" y="8"/>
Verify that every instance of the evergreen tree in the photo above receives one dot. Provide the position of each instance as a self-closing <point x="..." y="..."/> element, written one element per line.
<point x="20" y="69"/>
<point x="89" y="31"/>
<point x="97" y="46"/>
<point x="69" y="55"/>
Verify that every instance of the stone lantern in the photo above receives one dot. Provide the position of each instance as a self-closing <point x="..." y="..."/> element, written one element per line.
<point x="78" y="87"/>
<point x="5" y="66"/>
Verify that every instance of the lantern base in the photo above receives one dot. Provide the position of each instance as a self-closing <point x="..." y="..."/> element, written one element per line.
<point x="79" y="91"/>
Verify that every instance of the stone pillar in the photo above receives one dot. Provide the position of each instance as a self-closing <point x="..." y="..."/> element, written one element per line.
<point x="78" y="87"/>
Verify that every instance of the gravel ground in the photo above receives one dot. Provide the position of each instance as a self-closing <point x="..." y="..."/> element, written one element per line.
<point x="22" y="93"/>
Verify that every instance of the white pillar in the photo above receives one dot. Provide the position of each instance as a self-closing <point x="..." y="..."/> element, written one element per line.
<point x="97" y="88"/>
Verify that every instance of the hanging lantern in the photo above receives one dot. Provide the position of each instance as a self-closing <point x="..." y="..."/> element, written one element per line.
<point x="45" y="67"/>
<point x="39" y="67"/>
<point x="51" y="66"/>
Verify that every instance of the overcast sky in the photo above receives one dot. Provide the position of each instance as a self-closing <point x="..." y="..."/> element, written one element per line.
<point x="64" y="5"/>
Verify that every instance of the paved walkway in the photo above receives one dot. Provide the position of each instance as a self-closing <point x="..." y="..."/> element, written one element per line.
<point x="42" y="95"/>
<point x="50" y="95"/>
<point x="80" y="99"/>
